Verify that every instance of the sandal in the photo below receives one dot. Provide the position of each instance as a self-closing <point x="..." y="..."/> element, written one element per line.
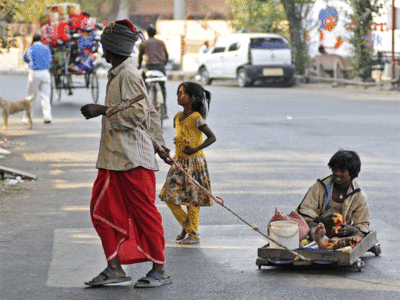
<point x="153" y="279"/>
<point x="112" y="277"/>
<point x="182" y="235"/>
<point x="191" y="239"/>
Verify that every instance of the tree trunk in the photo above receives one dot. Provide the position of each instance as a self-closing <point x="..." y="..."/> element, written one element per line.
<point x="296" y="35"/>
<point x="112" y="16"/>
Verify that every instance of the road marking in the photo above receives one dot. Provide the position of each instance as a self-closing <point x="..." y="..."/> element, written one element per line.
<point x="87" y="208"/>
<point x="77" y="256"/>
<point x="77" y="252"/>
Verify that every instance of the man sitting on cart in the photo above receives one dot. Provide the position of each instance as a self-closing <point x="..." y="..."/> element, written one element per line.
<point x="337" y="201"/>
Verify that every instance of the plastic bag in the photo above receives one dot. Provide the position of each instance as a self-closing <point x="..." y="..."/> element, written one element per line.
<point x="293" y="216"/>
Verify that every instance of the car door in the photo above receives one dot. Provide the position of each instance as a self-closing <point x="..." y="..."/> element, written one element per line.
<point x="234" y="57"/>
<point x="214" y="63"/>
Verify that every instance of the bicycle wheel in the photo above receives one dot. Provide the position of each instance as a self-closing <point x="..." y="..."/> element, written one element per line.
<point x="69" y="84"/>
<point x="153" y="95"/>
<point x="94" y="86"/>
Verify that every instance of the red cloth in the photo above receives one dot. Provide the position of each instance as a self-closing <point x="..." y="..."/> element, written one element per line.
<point x="63" y="31"/>
<point x="125" y="217"/>
<point x="127" y="23"/>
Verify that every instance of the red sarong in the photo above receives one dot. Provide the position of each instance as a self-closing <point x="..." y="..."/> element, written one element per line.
<point x="125" y="217"/>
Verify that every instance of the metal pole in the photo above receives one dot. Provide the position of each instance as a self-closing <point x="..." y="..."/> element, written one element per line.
<point x="179" y="9"/>
<point x="393" y="31"/>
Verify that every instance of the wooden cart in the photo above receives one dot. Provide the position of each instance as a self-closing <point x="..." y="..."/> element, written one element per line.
<point x="269" y="256"/>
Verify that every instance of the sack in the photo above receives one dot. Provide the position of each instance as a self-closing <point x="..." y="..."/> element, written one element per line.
<point x="293" y="216"/>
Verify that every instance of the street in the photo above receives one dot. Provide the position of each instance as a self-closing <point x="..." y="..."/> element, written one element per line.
<point x="272" y="144"/>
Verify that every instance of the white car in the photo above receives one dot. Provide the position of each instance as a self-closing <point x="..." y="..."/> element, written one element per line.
<point x="248" y="57"/>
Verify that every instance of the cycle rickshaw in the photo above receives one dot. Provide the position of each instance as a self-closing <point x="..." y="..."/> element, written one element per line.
<point x="63" y="79"/>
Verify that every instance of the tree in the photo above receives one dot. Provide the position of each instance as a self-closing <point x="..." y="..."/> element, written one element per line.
<point x="297" y="12"/>
<point x="257" y="16"/>
<point x="100" y="9"/>
<point x="361" y="23"/>
<point x="31" y="10"/>
<point x="9" y="9"/>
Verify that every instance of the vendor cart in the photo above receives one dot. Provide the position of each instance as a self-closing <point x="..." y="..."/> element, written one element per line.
<point x="270" y="256"/>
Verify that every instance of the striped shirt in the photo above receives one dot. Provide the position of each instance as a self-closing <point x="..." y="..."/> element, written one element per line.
<point x="127" y="136"/>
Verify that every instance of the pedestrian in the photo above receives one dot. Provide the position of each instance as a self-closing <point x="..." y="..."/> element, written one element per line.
<point x="38" y="56"/>
<point x="178" y="190"/>
<point x="204" y="49"/>
<point x="156" y="56"/>
<point x="123" y="207"/>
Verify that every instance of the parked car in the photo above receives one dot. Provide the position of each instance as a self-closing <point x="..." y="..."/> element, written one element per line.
<point x="248" y="57"/>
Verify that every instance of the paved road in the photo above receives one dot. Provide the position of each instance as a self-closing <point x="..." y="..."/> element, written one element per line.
<point x="272" y="143"/>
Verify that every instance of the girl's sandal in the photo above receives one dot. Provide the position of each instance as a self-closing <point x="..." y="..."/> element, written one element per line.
<point x="191" y="239"/>
<point x="182" y="235"/>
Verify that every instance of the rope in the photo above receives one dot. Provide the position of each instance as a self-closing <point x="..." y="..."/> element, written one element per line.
<point x="216" y="199"/>
<point x="221" y="202"/>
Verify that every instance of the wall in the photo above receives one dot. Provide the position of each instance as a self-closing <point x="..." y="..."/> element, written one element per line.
<point x="184" y="38"/>
<point x="166" y="7"/>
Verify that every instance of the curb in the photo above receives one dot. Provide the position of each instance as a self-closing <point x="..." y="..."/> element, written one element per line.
<point x="179" y="76"/>
<point x="14" y="71"/>
<point x="102" y="73"/>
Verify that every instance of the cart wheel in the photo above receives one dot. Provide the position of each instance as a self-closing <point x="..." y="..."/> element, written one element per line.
<point x="69" y="84"/>
<point x="376" y="249"/>
<point x="55" y="91"/>
<point x="360" y="265"/>
<point x="94" y="85"/>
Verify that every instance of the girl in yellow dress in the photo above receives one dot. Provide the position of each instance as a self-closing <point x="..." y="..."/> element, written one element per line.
<point x="178" y="190"/>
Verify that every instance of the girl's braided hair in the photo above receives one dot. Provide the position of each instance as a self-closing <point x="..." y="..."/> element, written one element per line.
<point x="202" y="97"/>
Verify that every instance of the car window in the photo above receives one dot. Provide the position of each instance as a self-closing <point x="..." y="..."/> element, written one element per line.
<point x="234" y="47"/>
<point x="268" y="43"/>
<point x="218" y="50"/>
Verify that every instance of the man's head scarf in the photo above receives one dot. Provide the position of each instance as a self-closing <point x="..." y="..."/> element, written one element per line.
<point x="120" y="37"/>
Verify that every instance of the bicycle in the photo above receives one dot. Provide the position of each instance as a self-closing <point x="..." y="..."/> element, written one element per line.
<point x="153" y="80"/>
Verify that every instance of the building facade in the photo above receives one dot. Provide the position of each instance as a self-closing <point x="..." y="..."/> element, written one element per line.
<point x="142" y="13"/>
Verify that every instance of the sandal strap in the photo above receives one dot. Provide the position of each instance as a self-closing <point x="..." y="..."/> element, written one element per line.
<point x="155" y="274"/>
<point x="195" y="236"/>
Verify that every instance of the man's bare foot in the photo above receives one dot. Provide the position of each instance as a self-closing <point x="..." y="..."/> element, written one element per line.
<point x="116" y="267"/>
<point x="160" y="269"/>
<point x="319" y="234"/>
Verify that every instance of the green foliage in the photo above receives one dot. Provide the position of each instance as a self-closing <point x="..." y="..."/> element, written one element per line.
<point x="99" y="9"/>
<point x="362" y="22"/>
<point x="257" y="16"/>
<point x="33" y="9"/>
<point x="9" y="9"/>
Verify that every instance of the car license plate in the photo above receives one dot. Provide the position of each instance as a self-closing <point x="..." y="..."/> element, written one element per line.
<point x="272" y="71"/>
